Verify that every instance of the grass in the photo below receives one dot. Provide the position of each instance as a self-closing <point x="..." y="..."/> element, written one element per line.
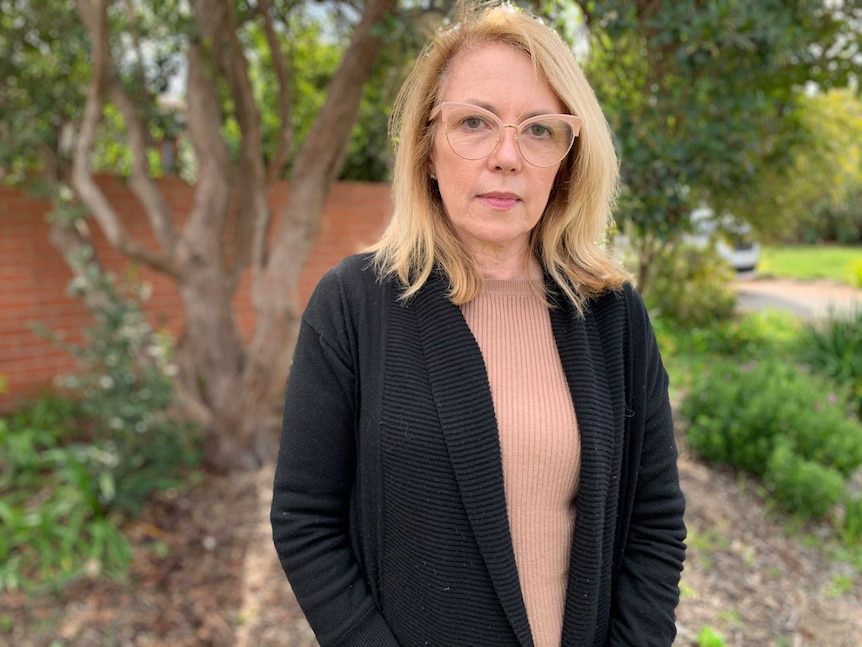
<point x="833" y="262"/>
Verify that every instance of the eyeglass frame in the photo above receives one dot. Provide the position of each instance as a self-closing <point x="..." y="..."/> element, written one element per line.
<point x="574" y="121"/>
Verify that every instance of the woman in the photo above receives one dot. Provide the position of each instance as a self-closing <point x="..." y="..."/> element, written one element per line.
<point x="477" y="445"/>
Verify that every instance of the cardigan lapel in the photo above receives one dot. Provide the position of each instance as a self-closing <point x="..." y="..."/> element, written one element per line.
<point x="584" y="360"/>
<point x="462" y="396"/>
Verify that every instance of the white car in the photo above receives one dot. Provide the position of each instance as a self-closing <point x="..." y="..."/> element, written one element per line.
<point x="733" y="238"/>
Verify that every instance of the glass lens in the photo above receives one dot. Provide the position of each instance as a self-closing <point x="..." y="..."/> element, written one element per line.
<point x="472" y="132"/>
<point x="544" y="141"/>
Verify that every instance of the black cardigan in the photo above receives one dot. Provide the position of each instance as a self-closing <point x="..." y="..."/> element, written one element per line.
<point x="388" y="511"/>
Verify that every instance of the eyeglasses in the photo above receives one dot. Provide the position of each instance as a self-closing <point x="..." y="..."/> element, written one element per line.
<point x="474" y="133"/>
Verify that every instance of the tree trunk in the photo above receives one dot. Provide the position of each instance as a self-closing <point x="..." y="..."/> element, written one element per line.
<point x="244" y="433"/>
<point x="244" y="428"/>
<point x="210" y="351"/>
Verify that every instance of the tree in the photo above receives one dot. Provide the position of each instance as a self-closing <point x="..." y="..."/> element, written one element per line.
<point x="703" y="94"/>
<point x="42" y="85"/>
<point x="817" y="195"/>
<point x="134" y="48"/>
<point x="44" y="70"/>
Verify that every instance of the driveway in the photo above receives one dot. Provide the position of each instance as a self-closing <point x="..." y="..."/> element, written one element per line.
<point x="808" y="299"/>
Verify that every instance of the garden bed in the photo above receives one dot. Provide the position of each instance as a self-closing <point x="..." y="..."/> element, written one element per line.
<point x="205" y="574"/>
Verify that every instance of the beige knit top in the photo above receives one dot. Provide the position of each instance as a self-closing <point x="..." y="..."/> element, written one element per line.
<point x="538" y="440"/>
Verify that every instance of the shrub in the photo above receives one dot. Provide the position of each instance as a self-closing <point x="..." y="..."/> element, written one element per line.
<point x="834" y="348"/>
<point x="74" y="469"/>
<point x="123" y="382"/>
<point x="692" y="287"/>
<point x="52" y="528"/>
<point x="753" y="335"/>
<point x="852" y="527"/>
<point x="803" y="486"/>
<point x="839" y="221"/>
<point x="779" y="422"/>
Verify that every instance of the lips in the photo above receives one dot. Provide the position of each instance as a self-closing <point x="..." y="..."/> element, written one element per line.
<point x="500" y="200"/>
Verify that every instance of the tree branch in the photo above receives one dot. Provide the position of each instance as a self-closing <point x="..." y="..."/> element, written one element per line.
<point x="156" y="207"/>
<point x="95" y="15"/>
<point x="144" y="188"/>
<point x="285" y="140"/>
<point x="204" y="230"/>
<point x="329" y="136"/>
<point x="253" y="206"/>
<point x="316" y="166"/>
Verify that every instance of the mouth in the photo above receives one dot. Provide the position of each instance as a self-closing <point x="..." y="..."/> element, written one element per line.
<point x="499" y="200"/>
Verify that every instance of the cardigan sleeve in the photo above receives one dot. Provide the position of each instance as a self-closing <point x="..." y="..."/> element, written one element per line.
<point x="314" y="480"/>
<point x="646" y="590"/>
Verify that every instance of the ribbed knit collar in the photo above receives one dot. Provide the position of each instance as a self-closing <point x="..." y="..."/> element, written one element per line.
<point x="514" y="287"/>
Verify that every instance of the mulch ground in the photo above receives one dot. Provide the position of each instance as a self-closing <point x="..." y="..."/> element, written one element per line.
<point x="205" y="574"/>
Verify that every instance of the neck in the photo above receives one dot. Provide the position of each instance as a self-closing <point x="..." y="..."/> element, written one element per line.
<point x="509" y="267"/>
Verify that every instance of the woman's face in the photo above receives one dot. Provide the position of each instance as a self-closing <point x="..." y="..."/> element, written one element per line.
<point x="493" y="203"/>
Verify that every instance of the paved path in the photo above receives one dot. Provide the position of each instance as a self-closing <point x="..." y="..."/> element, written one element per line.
<point x="807" y="299"/>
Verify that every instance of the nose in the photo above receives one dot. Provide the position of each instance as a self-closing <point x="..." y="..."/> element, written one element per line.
<point x="507" y="155"/>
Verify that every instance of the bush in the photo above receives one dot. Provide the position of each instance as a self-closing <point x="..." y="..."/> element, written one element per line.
<point x="52" y="526"/>
<point x="778" y="422"/>
<point x="803" y="486"/>
<point x="753" y="335"/>
<point x="834" y="348"/>
<point x="829" y="221"/>
<point x="692" y="287"/>
<point x="123" y="382"/>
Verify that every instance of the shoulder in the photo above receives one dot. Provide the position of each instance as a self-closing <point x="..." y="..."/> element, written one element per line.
<point x="353" y="277"/>
<point x="346" y="293"/>
<point x="622" y="318"/>
<point x="352" y="272"/>
<point x="625" y="302"/>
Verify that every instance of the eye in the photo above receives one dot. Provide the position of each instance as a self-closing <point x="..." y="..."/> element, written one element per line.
<point x="539" y="131"/>
<point x="472" y="122"/>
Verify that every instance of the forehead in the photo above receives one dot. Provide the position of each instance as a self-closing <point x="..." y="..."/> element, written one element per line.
<point x="499" y="75"/>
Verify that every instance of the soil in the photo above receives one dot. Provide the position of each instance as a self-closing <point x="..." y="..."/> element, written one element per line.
<point x="205" y="574"/>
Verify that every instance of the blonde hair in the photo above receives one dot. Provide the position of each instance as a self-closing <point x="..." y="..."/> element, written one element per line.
<point x="567" y="239"/>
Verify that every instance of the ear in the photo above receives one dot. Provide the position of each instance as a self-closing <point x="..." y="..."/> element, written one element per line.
<point x="431" y="168"/>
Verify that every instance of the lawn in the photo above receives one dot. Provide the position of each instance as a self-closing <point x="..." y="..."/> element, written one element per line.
<point x="841" y="263"/>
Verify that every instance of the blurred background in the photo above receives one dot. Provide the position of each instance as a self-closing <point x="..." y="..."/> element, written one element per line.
<point x="175" y="177"/>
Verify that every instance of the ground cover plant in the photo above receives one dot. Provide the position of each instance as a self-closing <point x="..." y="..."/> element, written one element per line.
<point x="689" y="351"/>
<point x="53" y="529"/>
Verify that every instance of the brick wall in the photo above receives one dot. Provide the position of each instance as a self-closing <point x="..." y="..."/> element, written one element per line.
<point x="34" y="278"/>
